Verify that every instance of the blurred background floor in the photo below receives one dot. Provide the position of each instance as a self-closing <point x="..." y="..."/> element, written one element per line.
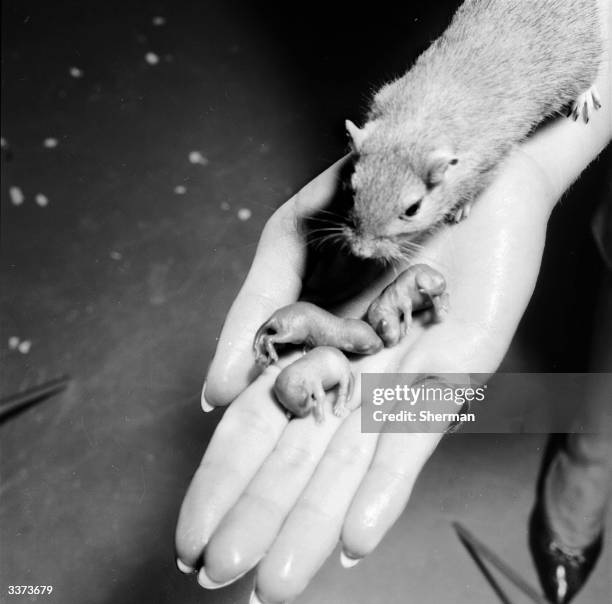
<point x="122" y="272"/>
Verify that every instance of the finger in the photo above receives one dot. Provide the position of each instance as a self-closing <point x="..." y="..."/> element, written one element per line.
<point x="249" y="430"/>
<point x="249" y="529"/>
<point x="384" y="491"/>
<point x="274" y="280"/>
<point x="311" y="530"/>
<point x="399" y="458"/>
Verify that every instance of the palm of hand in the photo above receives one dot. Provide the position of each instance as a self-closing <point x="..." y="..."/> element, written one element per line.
<point x="279" y="494"/>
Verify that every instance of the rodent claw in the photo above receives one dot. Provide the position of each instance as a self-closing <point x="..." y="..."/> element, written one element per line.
<point x="585" y="104"/>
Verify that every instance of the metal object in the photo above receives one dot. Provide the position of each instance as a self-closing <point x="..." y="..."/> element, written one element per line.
<point x="479" y="551"/>
<point x="16" y="402"/>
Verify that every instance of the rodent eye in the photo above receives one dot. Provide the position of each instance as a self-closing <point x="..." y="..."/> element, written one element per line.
<point x="411" y="210"/>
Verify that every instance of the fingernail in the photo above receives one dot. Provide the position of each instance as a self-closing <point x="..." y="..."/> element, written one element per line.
<point x="347" y="561"/>
<point x="255" y="599"/>
<point x="207" y="583"/>
<point x="206" y="406"/>
<point x="184" y="568"/>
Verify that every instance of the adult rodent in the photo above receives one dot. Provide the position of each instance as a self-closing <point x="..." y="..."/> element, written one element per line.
<point x="434" y="136"/>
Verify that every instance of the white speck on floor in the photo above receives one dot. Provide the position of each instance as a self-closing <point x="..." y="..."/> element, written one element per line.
<point x="3" y="143"/>
<point x="50" y="143"/>
<point x="41" y="200"/>
<point x="158" y="21"/>
<point x="13" y="342"/>
<point x="151" y="58"/>
<point x="16" y="195"/>
<point x="244" y="214"/>
<point x="24" y="347"/>
<point x="225" y="206"/>
<point x="195" y="157"/>
<point x="116" y="255"/>
<point x="180" y="190"/>
<point x="75" y="72"/>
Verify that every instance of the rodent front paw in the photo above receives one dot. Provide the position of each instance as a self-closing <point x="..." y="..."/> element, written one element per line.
<point x="585" y="105"/>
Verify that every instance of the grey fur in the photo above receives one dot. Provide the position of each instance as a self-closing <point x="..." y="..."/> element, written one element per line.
<point x="500" y="68"/>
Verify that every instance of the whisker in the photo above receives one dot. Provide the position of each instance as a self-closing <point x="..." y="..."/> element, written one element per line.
<point x="323" y="229"/>
<point x="330" y="213"/>
<point x="321" y="234"/>
<point x="318" y="242"/>
<point x="313" y="221"/>
<point x="409" y="254"/>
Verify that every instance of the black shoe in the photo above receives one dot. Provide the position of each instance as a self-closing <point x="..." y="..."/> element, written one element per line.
<point x="562" y="571"/>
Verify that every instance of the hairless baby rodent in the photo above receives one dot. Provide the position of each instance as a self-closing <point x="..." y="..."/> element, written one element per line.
<point x="307" y="324"/>
<point x="301" y="386"/>
<point x="434" y="137"/>
<point x="416" y="288"/>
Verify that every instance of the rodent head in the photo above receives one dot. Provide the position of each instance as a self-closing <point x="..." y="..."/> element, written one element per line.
<point x="294" y="393"/>
<point x="396" y="197"/>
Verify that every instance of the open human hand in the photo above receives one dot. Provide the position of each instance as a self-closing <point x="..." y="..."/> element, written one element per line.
<point x="278" y="494"/>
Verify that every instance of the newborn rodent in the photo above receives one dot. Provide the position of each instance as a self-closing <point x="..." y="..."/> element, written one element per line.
<point x="418" y="287"/>
<point x="301" y="386"/>
<point x="433" y="137"/>
<point x="302" y="323"/>
<point x="307" y="324"/>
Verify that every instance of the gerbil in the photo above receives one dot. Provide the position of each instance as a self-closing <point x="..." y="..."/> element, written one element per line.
<point x="434" y="136"/>
<point x="305" y="323"/>
<point x="301" y="386"/>
<point x="417" y="288"/>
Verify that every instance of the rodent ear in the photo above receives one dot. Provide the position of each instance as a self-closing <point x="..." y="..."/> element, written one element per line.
<point x="437" y="165"/>
<point x="358" y="135"/>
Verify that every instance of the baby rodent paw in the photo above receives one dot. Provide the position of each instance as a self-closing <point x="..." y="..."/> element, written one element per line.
<point x="586" y="103"/>
<point x="263" y="346"/>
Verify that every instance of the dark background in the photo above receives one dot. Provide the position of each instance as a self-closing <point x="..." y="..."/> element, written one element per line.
<point x="124" y="284"/>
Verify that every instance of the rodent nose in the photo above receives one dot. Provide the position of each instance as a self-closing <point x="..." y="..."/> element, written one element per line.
<point x="362" y="246"/>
